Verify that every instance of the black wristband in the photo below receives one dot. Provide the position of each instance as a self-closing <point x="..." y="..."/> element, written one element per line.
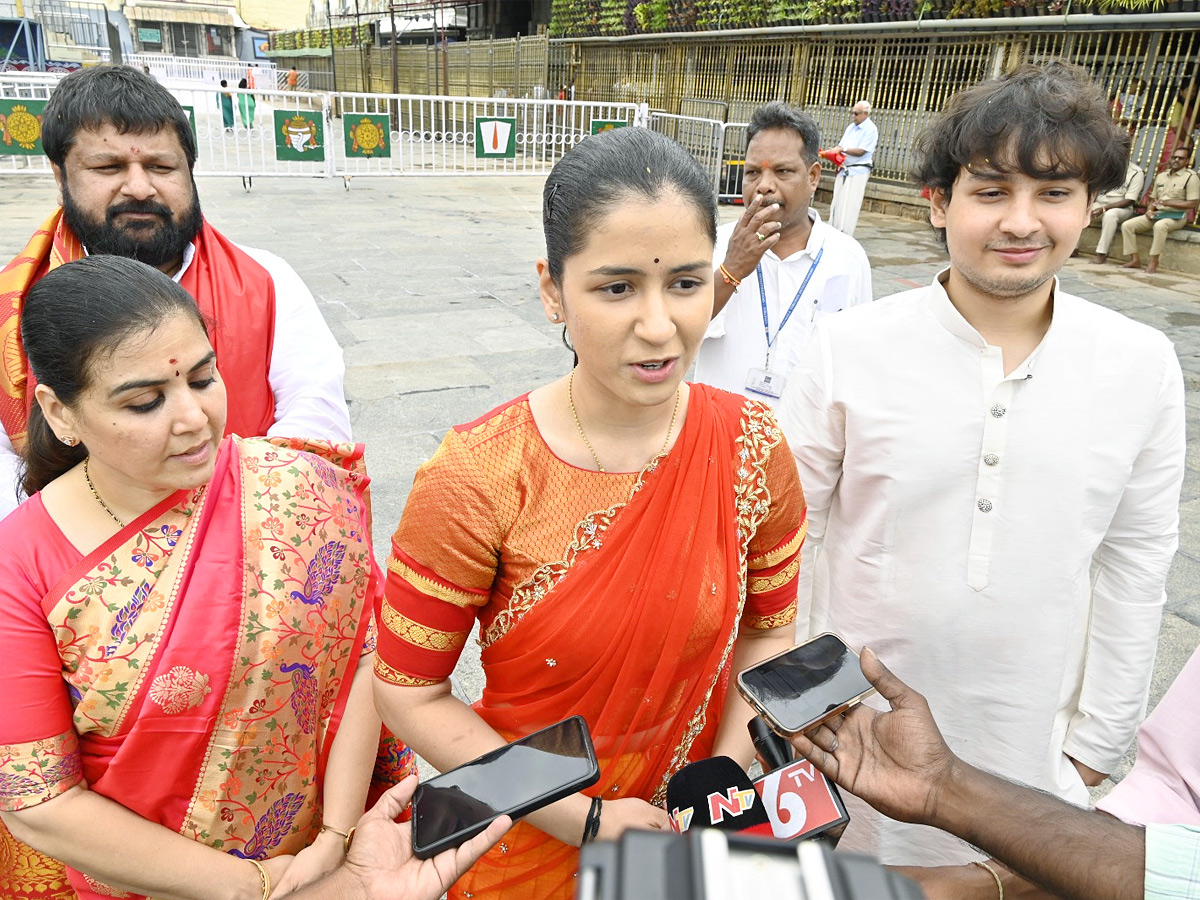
<point x="591" y="827"/>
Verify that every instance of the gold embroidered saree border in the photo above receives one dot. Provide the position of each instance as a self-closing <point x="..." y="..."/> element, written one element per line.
<point x="421" y="635"/>
<point x="766" y="583"/>
<point x="779" y="554"/>
<point x="107" y="646"/>
<point x="752" y="499"/>
<point x="33" y="772"/>
<point x="304" y="601"/>
<point x="785" y="616"/>
<point x="395" y="676"/>
<point x="588" y="535"/>
<point x="433" y="588"/>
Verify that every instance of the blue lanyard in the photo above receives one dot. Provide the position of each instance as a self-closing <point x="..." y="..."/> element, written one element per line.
<point x="762" y="296"/>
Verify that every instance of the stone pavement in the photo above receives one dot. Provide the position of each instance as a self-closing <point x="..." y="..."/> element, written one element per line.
<point x="429" y="285"/>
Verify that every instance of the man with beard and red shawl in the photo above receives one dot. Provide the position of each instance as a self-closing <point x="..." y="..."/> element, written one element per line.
<point x="123" y="150"/>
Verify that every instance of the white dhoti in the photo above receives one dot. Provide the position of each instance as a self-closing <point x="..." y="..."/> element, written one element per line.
<point x="848" y="193"/>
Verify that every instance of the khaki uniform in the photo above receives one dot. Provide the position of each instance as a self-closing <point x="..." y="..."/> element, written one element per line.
<point x="1181" y="185"/>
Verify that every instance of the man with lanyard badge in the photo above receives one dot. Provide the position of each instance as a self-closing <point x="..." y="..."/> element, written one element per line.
<point x="779" y="267"/>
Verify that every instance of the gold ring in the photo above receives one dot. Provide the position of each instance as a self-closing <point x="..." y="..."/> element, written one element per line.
<point x="761" y="237"/>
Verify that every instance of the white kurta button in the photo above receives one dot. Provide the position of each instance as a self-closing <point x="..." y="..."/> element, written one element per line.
<point x="991" y="459"/>
<point x="984" y="505"/>
<point x="999" y="410"/>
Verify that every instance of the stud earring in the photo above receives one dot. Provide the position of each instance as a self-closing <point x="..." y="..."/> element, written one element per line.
<point x="68" y="440"/>
<point x="554" y="318"/>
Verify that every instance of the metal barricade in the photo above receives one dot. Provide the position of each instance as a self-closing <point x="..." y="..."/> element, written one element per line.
<point x="442" y="135"/>
<point x="288" y="133"/>
<point x="703" y="138"/>
<point x="245" y="146"/>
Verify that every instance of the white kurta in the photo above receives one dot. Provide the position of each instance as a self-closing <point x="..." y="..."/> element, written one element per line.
<point x="306" y="373"/>
<point x="735" y="342"/>
<point x="1001" y="542"/>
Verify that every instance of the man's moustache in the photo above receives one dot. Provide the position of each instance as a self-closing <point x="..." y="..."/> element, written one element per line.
<point x="132" y="207"/>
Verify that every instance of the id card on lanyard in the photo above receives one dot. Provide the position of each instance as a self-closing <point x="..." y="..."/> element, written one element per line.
<point x="763" y="381"/>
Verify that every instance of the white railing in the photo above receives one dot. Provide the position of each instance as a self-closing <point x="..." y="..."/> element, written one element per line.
<point x="433" y="135"/>
<point x="703" y="138"/>
<point x="249" y="145"/>
<point x="203" y="69"/>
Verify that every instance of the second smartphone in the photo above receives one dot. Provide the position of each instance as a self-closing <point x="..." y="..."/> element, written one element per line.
<point x="513" y="780"/>
<point x="801" y="687"/>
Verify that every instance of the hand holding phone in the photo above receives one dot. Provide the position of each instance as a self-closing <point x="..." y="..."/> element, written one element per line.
<point x="804" y="686"/>
<point x="514" y="780"/>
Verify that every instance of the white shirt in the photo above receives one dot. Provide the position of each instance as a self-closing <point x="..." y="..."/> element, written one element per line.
<point x="306" y="374"/>
<point x="1135" y="180"/>
<point x="1002" y="542"/>
<point x="735" y="342"/>
<point x="859" y="136"/>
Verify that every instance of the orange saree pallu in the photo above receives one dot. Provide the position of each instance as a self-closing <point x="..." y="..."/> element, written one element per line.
<point x="633" y="627"/>
<point x="208" y="649"/>
<point x="233" y="291"/>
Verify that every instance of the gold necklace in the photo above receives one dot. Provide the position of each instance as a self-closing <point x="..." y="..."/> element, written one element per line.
<point x="88" y="477"/>
<point x="578" y="426"/>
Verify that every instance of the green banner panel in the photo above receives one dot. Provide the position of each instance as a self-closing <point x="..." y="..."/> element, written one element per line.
<point x="21" y="127"/>
<point x="299" y="136"/>
<point x="495" y="137"/>
<point x="599" y="125"/>
<point x="367" y="136"/>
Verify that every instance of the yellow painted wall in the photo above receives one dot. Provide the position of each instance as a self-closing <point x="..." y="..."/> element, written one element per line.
<point x="273" y="14"/>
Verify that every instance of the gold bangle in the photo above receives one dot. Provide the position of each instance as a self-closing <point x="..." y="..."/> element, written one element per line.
<point x="727" y="276"/>
<point x="992" y="872"/>
<point x="264" y="878"/>
<point x="346" y="836"/>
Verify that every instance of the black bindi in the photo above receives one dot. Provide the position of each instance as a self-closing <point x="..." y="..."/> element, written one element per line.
<point x="656" y="259"/>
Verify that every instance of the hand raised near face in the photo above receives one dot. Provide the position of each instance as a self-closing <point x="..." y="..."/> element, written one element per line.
<point x="756" y="231"/>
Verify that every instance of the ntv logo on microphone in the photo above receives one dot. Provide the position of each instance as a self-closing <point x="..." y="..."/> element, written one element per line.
<point x="733" y="801"/>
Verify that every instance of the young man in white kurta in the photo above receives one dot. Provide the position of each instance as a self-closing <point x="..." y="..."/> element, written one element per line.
<point x="992" y="469"/>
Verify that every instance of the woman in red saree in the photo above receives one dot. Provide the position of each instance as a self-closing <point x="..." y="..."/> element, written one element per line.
<point x="184" y="670"/>
<point x="625" y="540"/>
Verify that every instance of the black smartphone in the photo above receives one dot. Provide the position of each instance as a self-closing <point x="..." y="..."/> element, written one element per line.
<point x="801" y="687"/>
<point x="513" y="780"/>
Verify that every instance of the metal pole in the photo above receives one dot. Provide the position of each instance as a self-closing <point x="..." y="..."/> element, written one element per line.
<point x="332" y="52"/>
<point x="445" y="54"/>
<point x="395" y="70"/>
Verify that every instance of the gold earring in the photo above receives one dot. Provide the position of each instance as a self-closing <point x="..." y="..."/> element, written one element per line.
<point x="68" y="440"/>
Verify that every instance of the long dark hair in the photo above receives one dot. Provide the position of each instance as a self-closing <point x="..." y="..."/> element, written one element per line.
<point x="70" y="318"/>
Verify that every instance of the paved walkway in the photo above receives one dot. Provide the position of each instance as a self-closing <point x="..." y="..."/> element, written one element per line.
<point x="429" y="284"/>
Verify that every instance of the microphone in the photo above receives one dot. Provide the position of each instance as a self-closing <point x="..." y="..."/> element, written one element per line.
<point x="715" y="793"/>
<point x="799" y="801"/>
<point x="774" y="751"/>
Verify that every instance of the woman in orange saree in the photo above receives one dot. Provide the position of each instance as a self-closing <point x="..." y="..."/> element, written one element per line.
<point x="625" y="540"/>
<point x="185" y="663"/>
